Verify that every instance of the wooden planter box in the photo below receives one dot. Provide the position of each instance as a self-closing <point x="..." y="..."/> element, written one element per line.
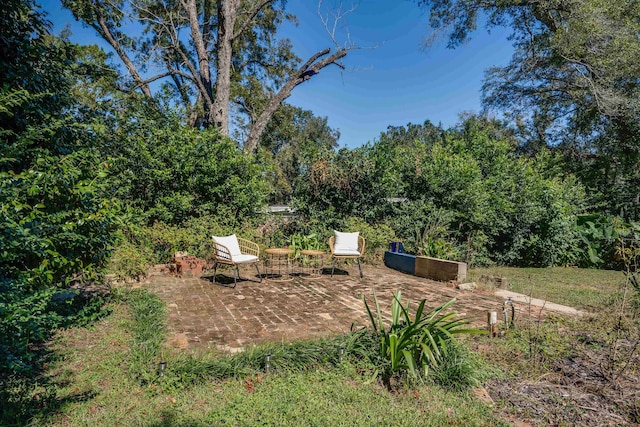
<point x="440" y="269"/>
<point x="400" y="261"/>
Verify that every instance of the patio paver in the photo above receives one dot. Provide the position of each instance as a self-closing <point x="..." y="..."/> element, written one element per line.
<point x="207" y="315"/>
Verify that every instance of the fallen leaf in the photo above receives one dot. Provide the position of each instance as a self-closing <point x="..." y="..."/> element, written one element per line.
<point x="248" y="385"/>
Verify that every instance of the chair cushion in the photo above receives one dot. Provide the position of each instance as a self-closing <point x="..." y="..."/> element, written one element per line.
<point x="244" y="259"/>
<point x="231" y="242"/>
<point x="346" y="253"/>
<point x="346" y="242"/>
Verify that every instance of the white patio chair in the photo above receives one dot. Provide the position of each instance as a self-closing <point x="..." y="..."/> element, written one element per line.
<point x="233" y="250"/>
<point x="346" y="246"/>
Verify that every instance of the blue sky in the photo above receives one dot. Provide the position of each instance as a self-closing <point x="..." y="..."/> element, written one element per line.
<point x="390" y="79"/>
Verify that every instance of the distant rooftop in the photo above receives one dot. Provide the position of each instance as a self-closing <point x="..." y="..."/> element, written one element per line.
<point x="279" y="209"/>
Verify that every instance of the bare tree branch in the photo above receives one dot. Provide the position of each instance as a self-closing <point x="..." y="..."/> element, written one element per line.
<point x="252" y="13"/>
<point x="109" y="37"/>
<point x="336" y="16"/>
<point x="304" y="73"/>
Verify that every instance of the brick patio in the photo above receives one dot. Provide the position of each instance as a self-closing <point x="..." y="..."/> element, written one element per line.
<point x="207" y="315"/>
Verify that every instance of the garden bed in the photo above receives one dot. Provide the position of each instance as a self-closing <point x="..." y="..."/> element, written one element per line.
<point x="422" y="266"/>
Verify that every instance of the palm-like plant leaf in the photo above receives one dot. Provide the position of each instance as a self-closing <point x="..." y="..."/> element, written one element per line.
<point x="418" y="343"/>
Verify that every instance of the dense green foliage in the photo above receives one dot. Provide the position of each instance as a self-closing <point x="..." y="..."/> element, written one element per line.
<point x="293" y="139"/>
<point x="166" y="171"/>
<point x="56" y="226"/>
<point x="572" y="83"/>
<point x="467" y="194"/>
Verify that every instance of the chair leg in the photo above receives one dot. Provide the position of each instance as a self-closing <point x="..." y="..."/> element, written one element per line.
<point x="235" y="275"/>
<point x="215" y="267"/>
<point x="333" y="266"/>
<point x="258" y="270"/>
<point x="360" y="268"/>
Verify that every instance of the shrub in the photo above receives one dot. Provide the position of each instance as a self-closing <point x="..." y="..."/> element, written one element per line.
<point x="130" y="261"/>
<point x="142" y="246"/>
<point x="192" y="173"/>
<point x="378" y="237"/>
<point x="414" y="346"/>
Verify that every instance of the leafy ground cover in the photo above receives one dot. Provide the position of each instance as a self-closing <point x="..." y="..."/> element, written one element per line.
<point x="549" y="370"/>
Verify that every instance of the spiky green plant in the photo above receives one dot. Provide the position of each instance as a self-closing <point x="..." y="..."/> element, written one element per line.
<point x="416" y="344"/>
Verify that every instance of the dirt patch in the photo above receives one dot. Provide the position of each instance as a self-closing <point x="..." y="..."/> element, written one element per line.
<point x="578" y="391"/>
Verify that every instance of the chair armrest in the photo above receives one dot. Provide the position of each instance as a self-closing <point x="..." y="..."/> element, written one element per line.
<point x="247" y="247"/>
<point x="332" y="242"/>
<point x="361" y="245"/>
<point x="221" y="252"/>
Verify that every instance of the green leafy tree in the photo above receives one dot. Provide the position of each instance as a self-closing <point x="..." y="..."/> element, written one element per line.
<point x="342" y="184"/>
<point x="573" y="82"/>
<point x="294" y="139"/>
<point x="56" y="225"/>
<point x="464" y="193"/>
<point x="167" y="171"/>
<point x="212" y="54"/>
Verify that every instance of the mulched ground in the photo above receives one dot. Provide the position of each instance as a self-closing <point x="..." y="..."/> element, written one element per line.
<point x="578" y="391"/>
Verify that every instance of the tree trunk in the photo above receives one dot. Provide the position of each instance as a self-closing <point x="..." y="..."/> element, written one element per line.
<point x="219" y="115"/>
<point x="304" y="73"/>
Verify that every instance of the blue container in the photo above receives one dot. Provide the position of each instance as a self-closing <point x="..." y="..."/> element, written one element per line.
<point x="397" y="247"/>
<point x="401" y="262"/>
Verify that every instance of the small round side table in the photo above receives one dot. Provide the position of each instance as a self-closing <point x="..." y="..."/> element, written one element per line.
<point x="278" y="264"/>
<point x="312" y="262"/>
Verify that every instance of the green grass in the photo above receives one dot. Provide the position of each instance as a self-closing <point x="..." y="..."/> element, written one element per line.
<point x="580" y="288"/>
<point x="95" y="377"/>
<point x="94" y="386"/>
<point x="322" y="397"/>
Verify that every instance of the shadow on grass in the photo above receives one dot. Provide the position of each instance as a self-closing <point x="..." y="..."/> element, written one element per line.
<point x="27" y="398"/>
<point x="168" y="418"/>
<point x="26" y="392"/>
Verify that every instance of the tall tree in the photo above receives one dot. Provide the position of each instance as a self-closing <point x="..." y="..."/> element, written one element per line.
<point x="294" y="139"/>
<point x="573" y="81"/>
<point x="208" y="52"/>
<point x="56" y="223"/>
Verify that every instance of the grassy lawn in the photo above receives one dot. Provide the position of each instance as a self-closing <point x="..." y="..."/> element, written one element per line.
<point x="576" y="287"/>
<point x="545" y="373"/>
<point x="93" y="388"/>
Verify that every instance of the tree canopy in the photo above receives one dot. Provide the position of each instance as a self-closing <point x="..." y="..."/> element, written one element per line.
<point x="213" y="57"/>
<point x="573" y="81"/>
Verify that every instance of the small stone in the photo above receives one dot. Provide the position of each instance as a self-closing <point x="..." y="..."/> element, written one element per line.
<point x="467" y="286"/>
<point x="482" y="394"/>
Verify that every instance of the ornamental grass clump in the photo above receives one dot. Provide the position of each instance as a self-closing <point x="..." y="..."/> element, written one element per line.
<point x="414" y="346"/>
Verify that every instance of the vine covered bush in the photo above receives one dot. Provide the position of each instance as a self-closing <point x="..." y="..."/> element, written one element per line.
<point x="464" y="194"/>
<point x="57" y="221"/>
